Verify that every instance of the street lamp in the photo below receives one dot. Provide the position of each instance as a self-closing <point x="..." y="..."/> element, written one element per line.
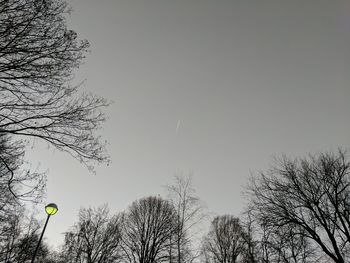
<point x="50" y="210"/>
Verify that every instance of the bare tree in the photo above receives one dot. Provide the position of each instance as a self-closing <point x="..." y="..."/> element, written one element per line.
<point x="38" y="54"/>
<point x="149" y="225"/>
<point x="19" y="237"/>
<point x="309" y="196"/>
<point x="224" y="242"/>
<point x="190" y="212"/>
<point x="95" y="238"/>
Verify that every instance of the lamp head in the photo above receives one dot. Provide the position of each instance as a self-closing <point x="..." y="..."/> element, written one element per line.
<point x="51" y="209"/>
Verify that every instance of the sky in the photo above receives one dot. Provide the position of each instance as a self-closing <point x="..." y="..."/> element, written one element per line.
<point x="215" y="89"/>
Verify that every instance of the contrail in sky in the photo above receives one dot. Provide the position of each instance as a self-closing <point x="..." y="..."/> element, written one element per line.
<point x="178" y="126"/>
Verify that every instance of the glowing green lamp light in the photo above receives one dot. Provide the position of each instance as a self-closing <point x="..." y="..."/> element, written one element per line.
<point x="51" y="209"/>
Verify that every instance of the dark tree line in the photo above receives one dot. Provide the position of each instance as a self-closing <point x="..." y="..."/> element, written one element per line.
<point x="298" y="213"/>
<point x="147" y="232"/>
<point x="144" y="233"/>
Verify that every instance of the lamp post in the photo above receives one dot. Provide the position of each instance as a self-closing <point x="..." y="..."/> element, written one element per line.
<point x="50" y="210"/>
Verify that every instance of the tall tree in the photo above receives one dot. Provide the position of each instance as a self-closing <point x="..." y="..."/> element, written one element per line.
<point x="95" y="238"/>
<point x="310" y="194"/>
<point x="38" y="54"/>
<point x="251" y="250"/>
<point x="224" y="242"/>
<point x="190" y="212"/>
<point x="148" y="227"/>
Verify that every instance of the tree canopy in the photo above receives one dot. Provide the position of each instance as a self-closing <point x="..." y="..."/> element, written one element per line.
<point x="310" y="197"/>
<point x="38" y="99"/>
<point x="38" y="54"/>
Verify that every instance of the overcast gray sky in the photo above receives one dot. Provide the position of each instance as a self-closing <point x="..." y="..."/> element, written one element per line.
<point x="213" y="87"/>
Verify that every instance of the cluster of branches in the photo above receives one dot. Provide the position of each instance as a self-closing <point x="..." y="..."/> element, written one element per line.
<point x="148" y="232"/>
<point x="38" y="101"/>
